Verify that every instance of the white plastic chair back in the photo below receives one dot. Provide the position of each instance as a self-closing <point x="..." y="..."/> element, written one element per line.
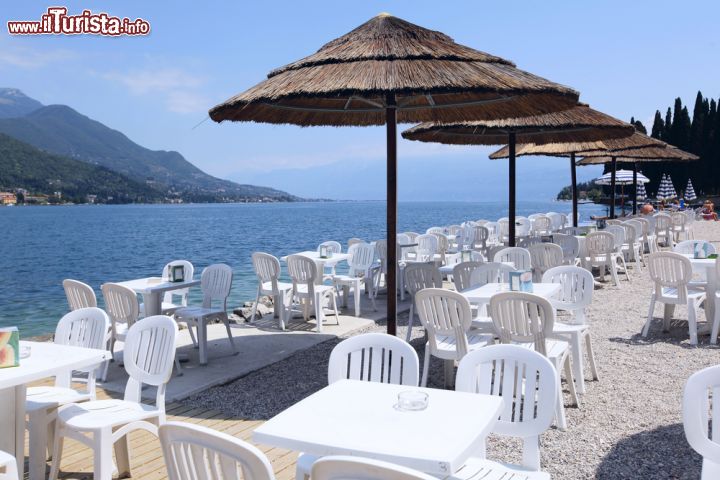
<point x="520" y="317"/>
<point x="670" y="270"/>
<point x="422" y="275"/>
<point x="542" y="225"/>
<point x="570" y="246"/>
<point x="427" y="247"/>
<point x="618" y="232"/>
<point x="121" y="305"/>
<point x="503" y="229"/>
<point x="679" y="220"/>
<point x="188" y="274"/>
<point x="598" y="244"/>
<point x="267" y="270"/>
<point x="518" y="256"/>
<point x="193" y="452"/>
<point x="302" y="271"/>
<point x="353" y="241"/>
<point x="688" y="247"/>
<point x="358" y="468"/>
<point x="663" y="226"/>
<point x="491" y="272"/>
<point x="493" y="227"/>
<point x="79" y="294"/>
<point x="381" y="253"/>
<point x="577" y="285"/>
<point x="462" y="273"/>
<point x="467" y="237"/>
<point x="332" y="246"/>
<point x="8" y="467"/>
<point x="482" y="237"/>
<point x="701" y="405"/>
<point x="412" y="236"/>
<point x="454" y="229"/>
<point x="86" y="328"/>
<point x="149" y="356"/>
<point x="526" y="381"/>
<point x="443" y="245"/>
<point x="215" y="284"/>
<point x="374" y="357"/>
<point x="362" y="257"/>
<point x="631" y="236"/>
<point x="522" y="226"/>
<point x="557" y="220"/>
<point x="435" y="230"/>
<point x="444" y="313"/>
<point x="545" y="256"/>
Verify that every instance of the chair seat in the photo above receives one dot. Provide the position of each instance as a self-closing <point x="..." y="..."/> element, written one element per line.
<point x="104" y="413"/>
<point x="323" y="289"/>
<point x="346" y="279"/>
<point x="266" y="287"/>
<point x="692" y="292"/>
<point x="197" y="312"/>
<point x="478" y="468"/>
<point x="483" y="324"/>
<point x="43" y="398"/>
<point x="555" y="349"/>
<point x="559" y="327"/>
<point x="447" y="345"/>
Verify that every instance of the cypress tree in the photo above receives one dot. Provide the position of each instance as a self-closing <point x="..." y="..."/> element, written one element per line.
<point x="658" y="126"/>
<point x="698" y="126"/>
<point x="667" y="131"/>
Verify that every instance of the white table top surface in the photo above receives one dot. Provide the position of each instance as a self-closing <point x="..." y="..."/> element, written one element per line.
<point x="47" y="360"/>
<point x="157" y="284"/>
<point x="705" y="262"/>
<point x="359" y="418"/>
<point x="449" y="268"/>
<point x="483" y="294"/>
<point x="336" y="257"/>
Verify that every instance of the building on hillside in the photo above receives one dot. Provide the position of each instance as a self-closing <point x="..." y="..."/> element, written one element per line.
<point x="36" y="199"/>
<point x="8" y="198"/>
<point x="91" y="198"/>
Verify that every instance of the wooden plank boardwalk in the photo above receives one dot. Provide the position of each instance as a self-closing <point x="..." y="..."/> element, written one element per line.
<point x="146" y="460"/>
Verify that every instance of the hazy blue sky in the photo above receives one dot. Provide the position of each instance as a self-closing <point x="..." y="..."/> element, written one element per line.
<point x="626" y="58"/>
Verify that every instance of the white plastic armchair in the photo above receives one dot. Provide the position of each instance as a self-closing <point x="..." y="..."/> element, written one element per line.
<point x="419" y="276"/>
<point x="577" y="285"/>
<point x="482" y="239"/>
<point x="522" y="226"/>
<point x="443" y="246"/>
<point x="267" y="270"/>
<point x="357" y="468"/>
<point x="570" y="246"/>
<point x="671" y="274"/>
<point x="702" y="391"/>
<point x="87" y="328"/>
<point x="664" y="235"/>
<point x="680" y="226"/>
<point x="527" y="382"/>
<point x="601" y="253"/>
<point x="542" y="225"/>
<point x="492" y="272"/>
<point x="215" y="283"/>
<point x="518" y="256"/>
<point x="435" y="230"/>
<point x="362" y="258"/>
<point x="169" y="304"/>
<point x="121" y="305"/>
<point x="104" y="424"/>
<point x="374" y="357"/>
<point x="79" y="294"/>
<point x="427" y="248"/>
<point x="334" y="247"/>
<point x="303" y="272"/>
<point x="194" y="452"/>
<point x="558" y="220"/>
<point x="461" y="274"/>
<point x="545" y="256"/>
<point x="687" y="247"/>
<point x="503" y="231"/>
<point x="8" y="467"/>
<point x="447" y="317"/>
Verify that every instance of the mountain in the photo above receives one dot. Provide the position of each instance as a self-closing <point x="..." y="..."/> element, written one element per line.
<point x="61" y="130"/>
<point x="14" y="103"/>
<point x="24" y="166"/>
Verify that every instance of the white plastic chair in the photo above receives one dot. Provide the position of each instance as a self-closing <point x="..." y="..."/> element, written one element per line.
<point x="215" y="284"/>
<point x="169" y="305"/>
<point x="435" y="230"/>
<point x="559" y="220"/>
<point x="543" y="257"/>
<point x="570" y="246"/>
<point x="482" y="239"/>
<point x="371" y="357"/>
<point x="518" y="256"/>
<point x="303" y="272"/>
<point x="491" y="272"/>
<point x="362" y="258"/>
<point x="79" y="294"/>
<point x="687" y="247"/>
<point x="646" y="236"/>
<point x="87" y="328"/>
<point x="528" y="320"/>
<point x="419" y="276"/>
<point x="461" y="274"/>
<point x="671" y="274"/>
<point x="443" y="246"/>
<point x="631" y="248"/>
<point x="333" y="247"/>
<point x="104" y="424"/>
<point x="664" y="235"/>
<point x="427" y="248"/>
<point x="466" y="238"/>
<point x="193" y="452"/>
<point x="447" y="318"/>
<point x="503" y="230"/>
<point x="527" y="383"/>
<point x="121" y="305"/>
<point x="522" y="227"/>
<point x="702" y="390"/>
<point x="601" y="253"/>
<point x="680" y="226"/>
<point x="8" y="467"/>
<point x="267" y="270"/>
<point x="541" y="225"/>
<point x="353" y="241"/>
<point x="357" y="468"/>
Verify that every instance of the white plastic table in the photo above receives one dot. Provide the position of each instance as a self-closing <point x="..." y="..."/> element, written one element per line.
<point x="321" y="262"/>
<point x="352" y="417"/>
<point x="152" y="290"/>
<point x="45" y="360"/>
<point x="707" y="266"/>
<point x="481" y="295"/>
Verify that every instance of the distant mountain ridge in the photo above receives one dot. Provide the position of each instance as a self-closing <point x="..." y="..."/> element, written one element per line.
<point x="61" y="130"/>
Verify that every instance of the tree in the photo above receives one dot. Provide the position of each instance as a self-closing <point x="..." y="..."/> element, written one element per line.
<point x="638" y="125"/>
<point x="658" y="126"/>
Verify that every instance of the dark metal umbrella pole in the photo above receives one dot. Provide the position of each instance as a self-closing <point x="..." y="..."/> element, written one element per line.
<point x="511" y="190"/>
<point x="634" y="190"/>
<point x="573" y="175"/>
<point x="613" y="164"/>
<point x="391" y="213"/>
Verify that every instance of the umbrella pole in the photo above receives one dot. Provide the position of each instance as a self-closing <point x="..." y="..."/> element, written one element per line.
<point x="573" y="176"/>
<point x="391" y="212"/>
<point x="635" y="188"/>
<point x="612" y="188"/>
<point x="511" y="190"/>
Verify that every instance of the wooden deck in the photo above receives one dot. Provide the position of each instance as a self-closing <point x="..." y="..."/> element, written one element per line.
<point x="146" y="460"/>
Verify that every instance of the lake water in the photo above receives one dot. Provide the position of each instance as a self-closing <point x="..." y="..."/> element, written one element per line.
<point x="97" y="244"/>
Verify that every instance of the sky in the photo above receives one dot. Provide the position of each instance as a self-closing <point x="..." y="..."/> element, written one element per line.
<point x="625" y="58"/>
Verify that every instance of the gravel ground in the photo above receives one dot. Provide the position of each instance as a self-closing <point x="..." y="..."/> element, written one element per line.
<point x="629" y="424"/>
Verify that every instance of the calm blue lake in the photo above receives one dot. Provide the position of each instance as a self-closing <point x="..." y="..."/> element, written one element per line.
<point x="97" y="244"/>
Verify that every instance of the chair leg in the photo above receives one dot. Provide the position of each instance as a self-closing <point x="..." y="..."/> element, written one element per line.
<point x="426" y="366"/>
<point x="122" y="456"/>
<point x="410" y="322"/>
<point x="103" y="469"/>
<point x="229" y="334"/>
<point x="667" y="316"/>
<point x="692" y="321"/>
<point x="613" y="272"/>
<point x="202" y="340"/>
<point x="560" y="407"/>
<point x="254" y="309"/>
<point x="57" y="453"/>
<point x="591" y="356"/>
<point x="716" y="321"/>
<point x="646" y="328"/>
<point x="335" y="309"/>
<point x="192" y="335"/>
<point x="357" y="294"/>
<point x="38" y="442"/>
<point x="318" y="311"/>
<point x="178" y="367"/>
<point x="571" y="382"/>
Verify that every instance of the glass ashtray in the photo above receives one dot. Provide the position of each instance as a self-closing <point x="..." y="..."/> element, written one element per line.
<point x="412" y="401"/>
<point x="25" y="351"/>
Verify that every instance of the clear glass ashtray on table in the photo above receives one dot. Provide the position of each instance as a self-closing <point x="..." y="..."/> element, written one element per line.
<point x="25" y="351"/>
<point x="412" y="401"/>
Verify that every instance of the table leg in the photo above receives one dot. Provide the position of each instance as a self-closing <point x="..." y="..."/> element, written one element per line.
<point x="153" y="303"/>
<point x="710" y="295"/>
<point x="577" y="361"/>
<point x="12" y="424"/>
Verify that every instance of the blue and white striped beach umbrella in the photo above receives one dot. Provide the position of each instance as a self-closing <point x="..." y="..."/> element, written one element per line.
<point x="690" y="192"/>
<point x="622" y="177"/>
<point x="641" y="194"/>
<point x="666" y="190"/>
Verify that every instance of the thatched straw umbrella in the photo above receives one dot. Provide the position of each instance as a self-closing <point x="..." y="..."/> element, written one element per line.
<point x="388" y="71"/>
<point x="579" y="124"/>
<point x="635" y="156"/>
<point x="571" y="149"/>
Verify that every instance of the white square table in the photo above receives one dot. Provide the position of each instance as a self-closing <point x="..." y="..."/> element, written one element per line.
<point x="352" y="417"/>
<point x="482" y="295"/>
<point x="707" y="266"/>
<point x="321" y="262"/>
<point x="45" y="360"/>
<point x="153" y="288"/>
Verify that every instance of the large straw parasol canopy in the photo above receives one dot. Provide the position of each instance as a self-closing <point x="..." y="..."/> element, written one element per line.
<point x="433" y="78"/>
<point x="578" y="124"/>
<point x="649" y="154"/>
